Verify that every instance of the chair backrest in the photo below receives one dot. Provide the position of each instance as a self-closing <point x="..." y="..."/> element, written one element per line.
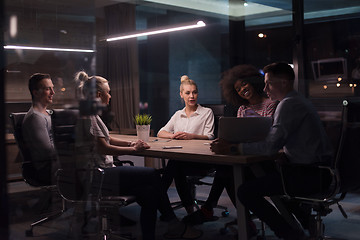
<point x="218" y="111"/>
<point x="347" y="161"/>
<point x="28" y="171"/>
<point x="16" y="121"/>
<point x="64" y="123"/>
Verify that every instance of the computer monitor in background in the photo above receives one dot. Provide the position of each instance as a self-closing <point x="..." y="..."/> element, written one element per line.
<point x="329" y="70"/>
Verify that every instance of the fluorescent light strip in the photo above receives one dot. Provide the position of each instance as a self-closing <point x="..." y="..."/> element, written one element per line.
<point x="47" y="49"/>
<point x="197" y="25"/>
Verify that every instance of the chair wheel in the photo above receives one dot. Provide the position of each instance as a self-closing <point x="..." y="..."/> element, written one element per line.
<point x="29" y="233"/>
<point x="225" y="213"/>
<point x="223" y="231"/>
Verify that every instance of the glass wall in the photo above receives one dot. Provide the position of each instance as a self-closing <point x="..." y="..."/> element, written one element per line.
<point x="47" y="37"/>
<point x="145" y="72"/>
<point x="332" y="48"/>
<point x="263" y="34"/>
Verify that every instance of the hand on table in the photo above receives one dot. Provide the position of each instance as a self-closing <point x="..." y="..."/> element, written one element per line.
<point x="182" y="136"/>
<point x="220" y="146"/>
<point x="139" y="145"/>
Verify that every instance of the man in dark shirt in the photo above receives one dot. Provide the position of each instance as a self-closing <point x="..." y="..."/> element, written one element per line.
<point x="297" y="130"/>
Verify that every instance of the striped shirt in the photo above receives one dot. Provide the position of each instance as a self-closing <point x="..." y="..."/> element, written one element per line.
<point x="264" y="109"/>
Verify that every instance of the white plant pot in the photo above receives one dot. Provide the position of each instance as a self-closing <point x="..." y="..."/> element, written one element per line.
<point x="143" y="132"/>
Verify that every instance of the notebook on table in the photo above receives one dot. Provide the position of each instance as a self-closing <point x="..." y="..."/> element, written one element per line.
<point x="246" y="129"/>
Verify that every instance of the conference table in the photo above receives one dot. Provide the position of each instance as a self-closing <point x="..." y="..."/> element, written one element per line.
<point x="199" y="151"/>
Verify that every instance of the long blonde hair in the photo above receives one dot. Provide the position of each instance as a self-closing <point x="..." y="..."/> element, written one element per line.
<point x="86" y="83"/>
<point x="185" y="80"/>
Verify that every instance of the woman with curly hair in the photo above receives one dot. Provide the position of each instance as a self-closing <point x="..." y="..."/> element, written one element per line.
<point x="242" y="86"/>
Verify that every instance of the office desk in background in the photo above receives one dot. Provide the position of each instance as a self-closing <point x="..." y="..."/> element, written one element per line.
<point x="199" y="151"/>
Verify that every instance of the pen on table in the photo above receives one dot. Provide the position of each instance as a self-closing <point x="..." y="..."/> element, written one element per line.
<point x="206" y="143"/>
<point x="157" y="140"/>
<point x="171" y="147"/>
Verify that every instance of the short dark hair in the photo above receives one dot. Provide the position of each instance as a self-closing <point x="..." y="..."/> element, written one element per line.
<point x="34" y="81"/>
<point x="280" y="69"/>
<point x="244" y="72"/>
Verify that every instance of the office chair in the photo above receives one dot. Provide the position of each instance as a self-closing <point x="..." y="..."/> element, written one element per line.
<point x="78" y="181"/>
<point x="83" y="186"/>
<point x="218" y="111"/>
<point x="29" y="172"/>
<point x="341" y="176"/>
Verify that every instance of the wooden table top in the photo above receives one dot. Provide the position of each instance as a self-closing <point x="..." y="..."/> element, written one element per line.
<point x="191" y="150"/>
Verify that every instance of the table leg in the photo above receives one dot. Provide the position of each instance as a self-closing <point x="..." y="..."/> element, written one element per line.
<point x="153" y="162"/>
<point x="241" y="211"/>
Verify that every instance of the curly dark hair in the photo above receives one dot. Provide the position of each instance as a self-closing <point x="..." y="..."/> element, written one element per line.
<point x="241" y="72"/>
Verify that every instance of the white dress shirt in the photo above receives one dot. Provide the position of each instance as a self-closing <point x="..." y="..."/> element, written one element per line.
<point x="201" y="122"/>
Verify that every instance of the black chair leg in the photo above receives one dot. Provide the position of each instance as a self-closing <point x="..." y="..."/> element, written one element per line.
<point x="29" y="232"/>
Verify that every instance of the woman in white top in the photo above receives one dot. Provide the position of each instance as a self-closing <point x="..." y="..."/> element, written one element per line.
<point x="191" y="122"/>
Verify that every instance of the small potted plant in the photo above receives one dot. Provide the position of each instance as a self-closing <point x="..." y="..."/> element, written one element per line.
<point x="142" y="122"/>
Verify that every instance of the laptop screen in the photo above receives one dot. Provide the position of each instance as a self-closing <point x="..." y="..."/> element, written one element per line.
<point x="246" y="129"/>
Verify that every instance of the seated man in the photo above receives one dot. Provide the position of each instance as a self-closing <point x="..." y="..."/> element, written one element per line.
<point x="37" y="129"/>
<point x="298" y="131"/>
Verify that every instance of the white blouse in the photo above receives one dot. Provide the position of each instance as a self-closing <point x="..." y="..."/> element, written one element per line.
<point x="201" y="122"/>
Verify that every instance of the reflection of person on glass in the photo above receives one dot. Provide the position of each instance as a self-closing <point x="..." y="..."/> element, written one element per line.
<point x="191" y="122"/>
<point x="298" y="131"/>
<point x="242" y="86"/>
<point x="37" y="129"/>
<point x="142" y="182"/>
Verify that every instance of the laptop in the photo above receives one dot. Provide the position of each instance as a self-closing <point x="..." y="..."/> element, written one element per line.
<point x="246" y="129"/>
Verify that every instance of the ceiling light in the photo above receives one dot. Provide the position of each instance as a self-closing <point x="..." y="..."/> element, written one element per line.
<point x="13" y="26"/>
<point x="47" y="48"/>
<point x="157" y="31"/>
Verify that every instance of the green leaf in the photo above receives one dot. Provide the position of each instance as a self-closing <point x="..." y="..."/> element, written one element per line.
<point x="142" y="119"/>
